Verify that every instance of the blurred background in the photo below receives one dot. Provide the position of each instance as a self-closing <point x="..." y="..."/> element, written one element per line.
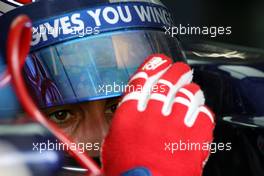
<point x="245" y="17"/>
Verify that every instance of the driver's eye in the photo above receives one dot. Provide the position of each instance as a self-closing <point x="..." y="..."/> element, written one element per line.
<point x="60" y="116"/>
<point x="111" y="108"/>
<point x="111" y="105"/>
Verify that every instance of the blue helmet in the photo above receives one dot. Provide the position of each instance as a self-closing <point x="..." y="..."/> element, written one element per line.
<point x="85" y="50"/>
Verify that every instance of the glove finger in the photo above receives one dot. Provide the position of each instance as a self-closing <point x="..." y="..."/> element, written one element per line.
<point x="187" y="103"/>
<point x="168" y="85"/>
<point x="141" y="83"/>
<point x="204" y="127"/>
<point x="206" y="120"/>
<point x="190" y="110"/>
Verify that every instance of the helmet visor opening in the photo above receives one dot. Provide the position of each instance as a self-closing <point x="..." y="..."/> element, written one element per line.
<point x="93" y="68"/>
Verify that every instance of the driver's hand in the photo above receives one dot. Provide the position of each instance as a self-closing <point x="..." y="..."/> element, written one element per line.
<point x="153" y="121"/>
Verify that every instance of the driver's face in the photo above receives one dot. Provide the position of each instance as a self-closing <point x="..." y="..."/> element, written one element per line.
<point x="86" y="123"/>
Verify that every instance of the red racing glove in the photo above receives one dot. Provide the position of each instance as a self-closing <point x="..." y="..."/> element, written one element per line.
<point x="162" y="127"/>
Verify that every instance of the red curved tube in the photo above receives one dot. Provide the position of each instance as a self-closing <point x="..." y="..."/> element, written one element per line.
<point x="18" y="46"/>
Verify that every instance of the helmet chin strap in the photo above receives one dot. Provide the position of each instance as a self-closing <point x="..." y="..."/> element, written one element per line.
<point x="18" y="46"/>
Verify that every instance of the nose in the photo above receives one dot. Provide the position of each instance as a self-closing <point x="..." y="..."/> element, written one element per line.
<point x="95" y="111"/>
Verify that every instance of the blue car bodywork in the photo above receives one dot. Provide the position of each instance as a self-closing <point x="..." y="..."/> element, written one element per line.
<point x="232" y="79"/>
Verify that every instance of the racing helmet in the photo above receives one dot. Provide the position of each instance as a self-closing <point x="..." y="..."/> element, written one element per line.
<point x="86" y="50"/>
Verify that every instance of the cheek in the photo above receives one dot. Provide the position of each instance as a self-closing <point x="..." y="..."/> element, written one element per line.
<point x="71" y="128"/>
<point x="90" y="130"/>
<point x="109" y="117"/>
<point x="88" y="135"/>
